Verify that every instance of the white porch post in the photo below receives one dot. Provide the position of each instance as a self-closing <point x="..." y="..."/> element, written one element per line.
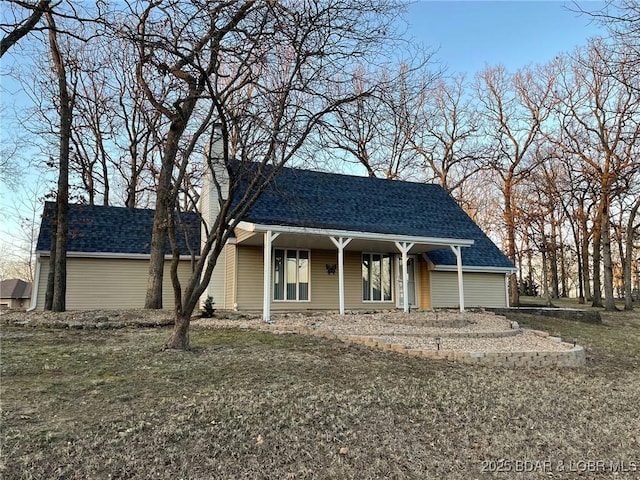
<point x="340" y="243"/>
<point x="458" y="254"/>
<point x="269" y="237"/>
<point x="404" y="248"/>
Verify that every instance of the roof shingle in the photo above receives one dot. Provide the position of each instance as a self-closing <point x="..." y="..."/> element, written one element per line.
<point x="106" y="229"/>
<point x="302" y="198"/>
<point x="344" y="202"/>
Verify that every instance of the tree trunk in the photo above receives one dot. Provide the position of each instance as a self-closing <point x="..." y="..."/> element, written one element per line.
<point x="179" y="339"/>
<point x="597" y="288"/>
<point x="59" y="302"/>
<point x="545" y="276"/>
<point x="164" y="205"/>
<point x="584" y="259"/>
<point x="610" y="304"/>
<point x="25" y="26"/>
<point x="514" y="299"/>
<point x="597" y="255"/>
<point x="629" y="257"/>
<point x="578" y="241"/>
<point x="153" y="299"/>
<point x="553" y="260"/>
<point x="529" y="264"/>
<point x="62" y="198"/>
<point x="563" y="266"/>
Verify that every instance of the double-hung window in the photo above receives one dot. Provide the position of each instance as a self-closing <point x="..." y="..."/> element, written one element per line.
<point x="376" y="277"/>
<point x="291" y="275"/>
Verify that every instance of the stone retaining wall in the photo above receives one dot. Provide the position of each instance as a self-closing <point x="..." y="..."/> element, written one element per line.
<point x="587" y="316"/>
<point x="573" y="357"/>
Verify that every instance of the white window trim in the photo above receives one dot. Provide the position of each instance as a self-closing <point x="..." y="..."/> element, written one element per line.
<point x="391" y="280"/>
<point x="273" y="274"/>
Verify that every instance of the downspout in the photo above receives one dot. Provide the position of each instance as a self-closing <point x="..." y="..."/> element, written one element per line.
<point x="34" y="287"/>
<point x="506" y="289"/>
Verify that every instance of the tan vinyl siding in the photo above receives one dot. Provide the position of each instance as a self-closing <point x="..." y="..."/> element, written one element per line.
<point x="480" y="289"/>
<point x="249" y="278"/>
<point x="242" y="235"/>
<point x="230" y="276"/>
<point x="424" y="283"/>
<point x="323" y="287"/>
<point x="217" y="284"/>
<point x="108" y="283"/>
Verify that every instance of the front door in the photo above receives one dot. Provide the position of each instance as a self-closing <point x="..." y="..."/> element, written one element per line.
<point x="411" y="284"/>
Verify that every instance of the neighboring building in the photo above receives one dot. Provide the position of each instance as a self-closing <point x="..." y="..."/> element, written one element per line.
<point x="322" y="241"/>
<point x="15" y="294"/>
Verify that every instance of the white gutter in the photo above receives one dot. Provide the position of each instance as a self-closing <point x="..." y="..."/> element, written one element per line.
<point x="471" y="269"/>
<point x="126" y="256"/>
<point x="445" y="242"/>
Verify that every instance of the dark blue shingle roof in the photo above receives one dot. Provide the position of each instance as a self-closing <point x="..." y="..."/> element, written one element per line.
<point x="344" y="202"/>
<point x="300" y="198"/>
<point x="100" y="229"/>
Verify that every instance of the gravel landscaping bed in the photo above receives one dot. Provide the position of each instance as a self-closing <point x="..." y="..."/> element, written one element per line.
<point x="473" y="331"/>
<point x="476" y="331"/>
<point x="527" y="341"/>
<point x="385" y="323"/>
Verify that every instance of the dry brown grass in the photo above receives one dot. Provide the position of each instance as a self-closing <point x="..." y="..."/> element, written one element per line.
<point x="111" y="404"/>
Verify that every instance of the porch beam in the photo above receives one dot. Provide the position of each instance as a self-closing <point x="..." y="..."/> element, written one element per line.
<point x="269" y="237"/>
<point x="404" y="248"/>
<point x="457" y="250"/>
<point x="340" y="243"/>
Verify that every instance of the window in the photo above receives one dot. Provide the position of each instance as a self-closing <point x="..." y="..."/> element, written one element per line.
<point x="291" y="275"/>
<point x="376" y="277"/>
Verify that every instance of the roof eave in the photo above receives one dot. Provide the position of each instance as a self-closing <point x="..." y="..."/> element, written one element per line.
<point x="474" y="269"/>
<point x="114" y="255"/>
<point x="444" y="242"/>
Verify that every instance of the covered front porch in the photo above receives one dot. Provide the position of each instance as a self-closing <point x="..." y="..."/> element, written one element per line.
<point x="290" y="245"/>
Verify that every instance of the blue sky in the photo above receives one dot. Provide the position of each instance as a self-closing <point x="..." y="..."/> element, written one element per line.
<point x="471" y="34"/>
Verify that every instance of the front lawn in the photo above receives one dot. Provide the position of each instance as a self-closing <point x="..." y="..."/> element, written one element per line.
<point x="79" y="404"/>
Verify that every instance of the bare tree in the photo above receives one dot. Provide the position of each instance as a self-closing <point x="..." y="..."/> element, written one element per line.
<point x="598" y="117"/>
<point x="377" y="131"/>
<point x="448" y="141"/>
<point x="257" y="72"/>
<point x="25" y="16"/>
<point x="622" y="21"/>
<point x="140" y="127"/>
<point x="57" y="283"/>
<point x="632" y="233"/>
<point x="513" y="109"/>
<point x="18" y="256"/>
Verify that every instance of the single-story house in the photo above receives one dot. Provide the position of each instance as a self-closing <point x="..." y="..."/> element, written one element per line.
<point x="312" y="241"/>
<point x="108" y="256"/>
<point x="15" y="294"/>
